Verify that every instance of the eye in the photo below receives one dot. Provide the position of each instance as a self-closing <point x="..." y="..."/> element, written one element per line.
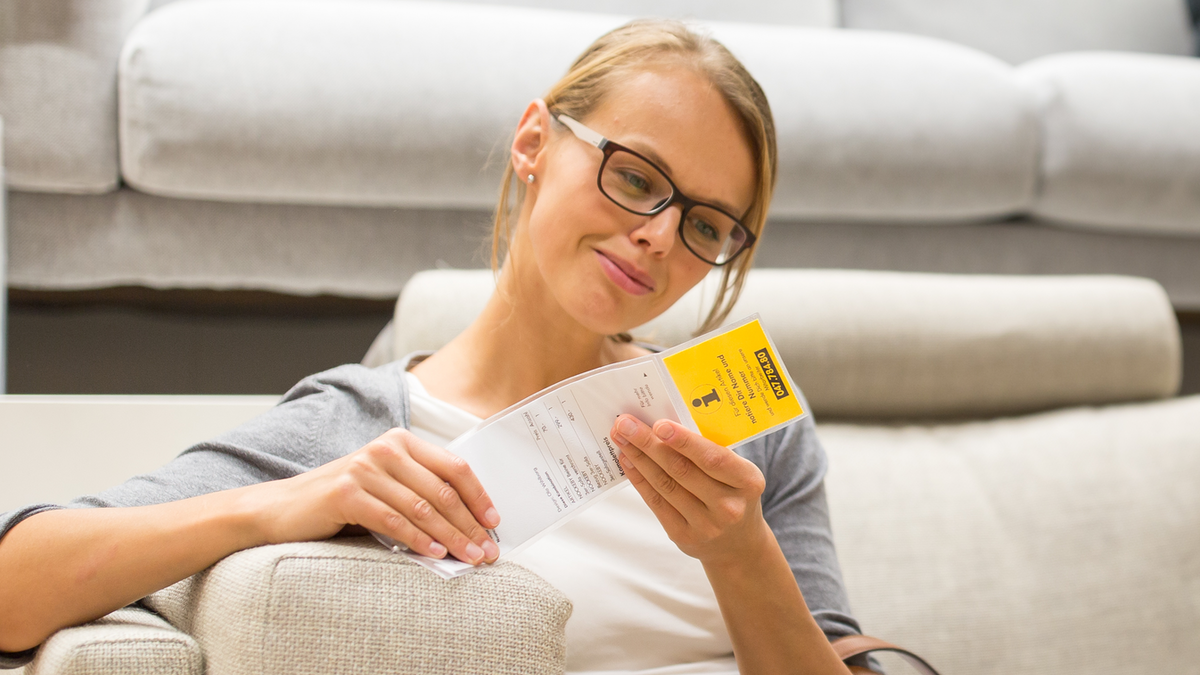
<point x="634" y="182"/>
<point x="705" y="229"/>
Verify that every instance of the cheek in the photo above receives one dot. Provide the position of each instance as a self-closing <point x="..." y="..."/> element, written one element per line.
<point x="686" y="271"/>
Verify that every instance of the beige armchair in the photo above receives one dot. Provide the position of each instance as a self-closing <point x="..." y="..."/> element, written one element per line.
<point x="1013" y="490"/>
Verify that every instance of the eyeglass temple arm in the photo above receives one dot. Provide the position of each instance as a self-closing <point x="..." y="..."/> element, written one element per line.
<point x="583" y="133"/>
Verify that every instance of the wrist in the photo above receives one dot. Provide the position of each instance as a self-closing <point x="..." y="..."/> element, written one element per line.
<point x="245" y="516"/>
<point x="747" y="554"/>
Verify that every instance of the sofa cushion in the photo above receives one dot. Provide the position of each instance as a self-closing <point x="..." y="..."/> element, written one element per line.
<point x="1019" y="30"/>
<point x="330" y="102"/>
<point x="129" y="640"/>
<point x="403" y="103"/>
<point x="822" y="13"/>
<point x="889" y="344"/>
<point x="67" y="242"/>
<point x="58" y="94"/>
<point x="891" y="128"/>
<point x="127" y="237"/>
<point x="1121" y="141"/>
<point x="352" y="606"/>
<point x="1067" y="542"/>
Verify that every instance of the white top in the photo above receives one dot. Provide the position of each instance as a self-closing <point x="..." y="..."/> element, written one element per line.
<point x="641" y="605"/>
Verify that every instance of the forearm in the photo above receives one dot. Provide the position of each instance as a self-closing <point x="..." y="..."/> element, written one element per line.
<point x="62" y="568"/>
<point x="768" y="622"/>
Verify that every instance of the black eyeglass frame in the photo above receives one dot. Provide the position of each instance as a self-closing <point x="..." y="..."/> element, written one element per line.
<point x="608" y="147"/>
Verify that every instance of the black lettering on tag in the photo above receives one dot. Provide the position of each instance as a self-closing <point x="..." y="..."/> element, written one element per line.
<point x="772" y="374"/>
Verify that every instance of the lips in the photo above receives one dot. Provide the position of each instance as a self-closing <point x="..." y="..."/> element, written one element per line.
<point x="626" y="274"/>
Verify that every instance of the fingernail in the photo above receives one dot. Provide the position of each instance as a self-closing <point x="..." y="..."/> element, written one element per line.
<point x="627" y="427"/>
<point x="492" y="516"/>
<point x="624" y="460"/>
<point x="665" y="431"/>
<point x="474" y="553"/>
<point x="437" y="550"/>
<point x="490" y="548"/>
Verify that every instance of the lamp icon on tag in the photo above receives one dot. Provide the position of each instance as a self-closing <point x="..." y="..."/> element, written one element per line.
<point x="706" y="400"/>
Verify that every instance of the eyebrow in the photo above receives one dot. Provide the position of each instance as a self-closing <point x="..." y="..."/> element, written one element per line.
<point x="662" y="164"/>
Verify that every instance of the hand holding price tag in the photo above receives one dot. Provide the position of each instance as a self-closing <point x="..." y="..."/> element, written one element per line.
<point x="546" y="458"/>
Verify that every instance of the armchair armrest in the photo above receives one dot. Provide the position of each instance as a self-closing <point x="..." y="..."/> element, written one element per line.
<point x="351" y="606"/>
<point x="130" y="640"/>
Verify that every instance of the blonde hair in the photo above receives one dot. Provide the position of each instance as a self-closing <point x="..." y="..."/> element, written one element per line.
<point x="633" y="47"/>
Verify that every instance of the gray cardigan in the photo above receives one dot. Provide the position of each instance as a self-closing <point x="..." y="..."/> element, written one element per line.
<point x="331" y="414"/>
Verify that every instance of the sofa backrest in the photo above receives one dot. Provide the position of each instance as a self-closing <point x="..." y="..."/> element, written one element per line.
<point x="885" y="127"/>
<point x="1019" y="30"/>
<point x="900" y="345"/>
<point x="822" y="13"/>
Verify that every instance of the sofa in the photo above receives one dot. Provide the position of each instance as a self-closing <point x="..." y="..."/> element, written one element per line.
<point x="336" y="147"/>
<point x="1014" y="488"/>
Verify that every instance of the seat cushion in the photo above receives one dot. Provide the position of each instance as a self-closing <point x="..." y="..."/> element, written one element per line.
<point x="1066" y="542"/>
<point x="1019" y="30"/>
<point x="1121" y="141"/>
<point x="352" y="606"/>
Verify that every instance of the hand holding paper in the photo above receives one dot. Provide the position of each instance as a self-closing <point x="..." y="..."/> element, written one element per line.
<point x="548" y="457"/>
<point x="706" y="496"/>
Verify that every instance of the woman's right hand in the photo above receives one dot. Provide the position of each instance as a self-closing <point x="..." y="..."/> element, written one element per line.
<point x="398" y="485"/>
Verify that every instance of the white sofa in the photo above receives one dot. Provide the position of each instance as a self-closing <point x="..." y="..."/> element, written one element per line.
<point x="1013" y="490"/>
<point x="338" y="146"/>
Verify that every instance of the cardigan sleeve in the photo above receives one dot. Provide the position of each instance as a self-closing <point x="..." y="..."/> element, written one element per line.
<point x="322" y="418"/>
<point x="794" y="506"/>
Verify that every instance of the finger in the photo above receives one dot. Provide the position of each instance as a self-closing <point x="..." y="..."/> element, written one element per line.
<point x="407" y="469"/>
<point x="714" y="459"/>
<point x="674" y="464"/>
<point x="454" y="470"/>
<point x="374" y="514"/>
<point x="388" y="467"/>
<point x="676" y="494"/>
<point x="671" y="520"/>
<point x="425" y="517"/>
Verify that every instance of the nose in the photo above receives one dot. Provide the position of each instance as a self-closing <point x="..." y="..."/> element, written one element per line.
<point x="657" y="233"/>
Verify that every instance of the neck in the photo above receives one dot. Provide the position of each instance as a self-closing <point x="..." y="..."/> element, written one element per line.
<point x="521" y="343"/>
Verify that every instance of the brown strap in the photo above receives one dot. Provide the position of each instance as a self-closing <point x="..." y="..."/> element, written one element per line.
<point x="854" y="645"/>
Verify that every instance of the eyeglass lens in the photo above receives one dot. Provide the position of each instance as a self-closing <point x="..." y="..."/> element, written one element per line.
<point x="642" y="188"/>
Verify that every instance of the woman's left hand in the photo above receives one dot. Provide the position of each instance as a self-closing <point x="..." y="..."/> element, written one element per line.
<point x="706" y="496"/>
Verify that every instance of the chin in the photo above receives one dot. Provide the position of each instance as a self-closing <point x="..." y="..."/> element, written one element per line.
<point x="604" y="315"/>
<point x="607" y="315"/>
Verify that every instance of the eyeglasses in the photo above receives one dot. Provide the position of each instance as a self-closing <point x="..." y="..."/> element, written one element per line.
<point x="637" y="185"/>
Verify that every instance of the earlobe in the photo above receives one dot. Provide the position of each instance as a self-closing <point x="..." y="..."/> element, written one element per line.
<point x="530" y="141"/>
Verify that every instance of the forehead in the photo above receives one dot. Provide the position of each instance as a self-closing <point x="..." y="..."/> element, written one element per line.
<point x="673" y="114"/>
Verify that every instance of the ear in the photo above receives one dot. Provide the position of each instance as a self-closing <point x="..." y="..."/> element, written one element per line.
<point x="532" y="138"/>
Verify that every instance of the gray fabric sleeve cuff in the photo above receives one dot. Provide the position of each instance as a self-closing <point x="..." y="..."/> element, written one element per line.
<point x="13" y="518"/>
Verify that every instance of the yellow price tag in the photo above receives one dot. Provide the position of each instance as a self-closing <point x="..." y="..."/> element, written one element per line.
<point x="734" y="384"/>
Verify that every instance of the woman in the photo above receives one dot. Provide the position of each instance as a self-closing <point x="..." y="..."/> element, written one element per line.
<point x="607" y="235"/>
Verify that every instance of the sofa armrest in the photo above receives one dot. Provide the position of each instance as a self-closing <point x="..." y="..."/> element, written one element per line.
<point x="352" y="606"/>
<point x="59" y="91"/>
<point x="130" y="640"/>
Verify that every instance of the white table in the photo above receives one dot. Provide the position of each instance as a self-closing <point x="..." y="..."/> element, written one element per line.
<point x="54" y="448"/>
